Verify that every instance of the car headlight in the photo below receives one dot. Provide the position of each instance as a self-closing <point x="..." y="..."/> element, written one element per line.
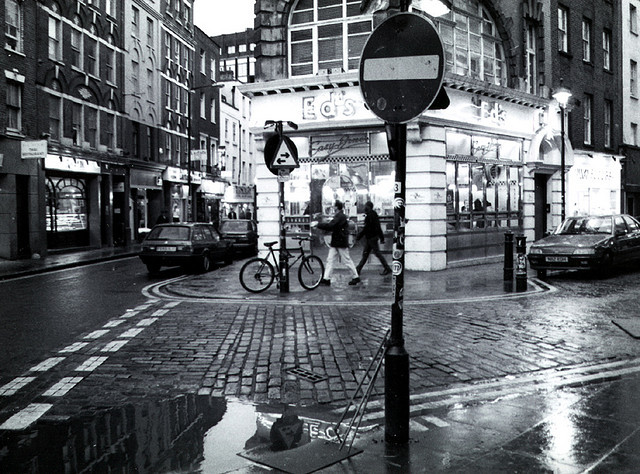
<point x="584" y="251"/>
<point x="535" y="250"/>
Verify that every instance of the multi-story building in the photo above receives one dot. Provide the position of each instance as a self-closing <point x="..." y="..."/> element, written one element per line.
<point x="236" y="54"/>
<point x="470" y="168"/>
<point x="22" y="231"/>
<point x="630" y="104"/>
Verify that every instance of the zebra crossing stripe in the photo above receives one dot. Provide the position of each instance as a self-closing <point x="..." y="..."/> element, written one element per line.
<point x="25" y="417"/>
<point x="63" y="386"/>
<point x="46" y="364"/>
<point x="16" y="384"/>
<point x="91" y="364"/>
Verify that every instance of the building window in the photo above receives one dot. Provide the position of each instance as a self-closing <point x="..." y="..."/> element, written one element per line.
<point x="472" y="44"/>
<point x="242" y="48"/>
<point x="91" y="56"/>
<point x="212" y="110"/>
<point x="563" y="30"/>
<point x="109" y="65"/>
<point x="77" y="122"/>
<point x="13" y="25"/>
<point x="633" y="19"/>
<point x="203" y="106"/>
<point x="231" y="49"/>
<point x="633" y="78"/>
<point x="55" y="114"/>
<point x="203" y="62"/>
<point x="91" y="126"/>
<point x="234" y="126"/>
<point x="326" y="35"/>
<point x="586" y="40"/>
<point x="150" y="83"/>
<point x="55" y="45"/>
<point x="634" y="134"/>
<point x="109" y="6"/>
<point x="135" y="76"/>
<point x="532" y="59"/>
<point x="212" y="69"/>
<point x="76" y="47"/>
<point x="135" y="21"/>
<point x="608" y="113"/>
<point x="150" y="150"/>
<point x="107" y="129"/>
<point x="14" y="106"/>
<point x="167" y="46"/>
<point x="150" y="31"/>
<point x="587" y="107"/>
<point x="606" y="50"/>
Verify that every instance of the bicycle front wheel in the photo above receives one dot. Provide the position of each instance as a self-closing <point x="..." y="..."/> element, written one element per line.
<point x="256" y="275"/>
<point x="310" y="272"/>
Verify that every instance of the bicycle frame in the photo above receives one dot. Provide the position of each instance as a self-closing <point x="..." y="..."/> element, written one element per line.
<point x="276" y="266"/>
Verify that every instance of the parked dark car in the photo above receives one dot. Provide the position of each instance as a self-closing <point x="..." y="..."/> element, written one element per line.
<point x="242" y="233"/>
<point x="190" y="245"/>
<point x="588" y="242"/>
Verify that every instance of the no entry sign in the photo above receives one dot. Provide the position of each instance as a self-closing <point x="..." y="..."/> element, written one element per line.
<point x="402" y="67"/>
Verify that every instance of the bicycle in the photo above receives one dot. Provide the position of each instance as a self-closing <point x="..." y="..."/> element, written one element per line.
<point x="258" y="274"/>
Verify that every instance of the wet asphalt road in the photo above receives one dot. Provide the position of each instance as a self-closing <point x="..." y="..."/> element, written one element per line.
<point x="544" y="383"/>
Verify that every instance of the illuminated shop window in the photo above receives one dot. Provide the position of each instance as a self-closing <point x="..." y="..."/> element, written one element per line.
<point x="327" y="36"/>
<point x="66" y="205"/>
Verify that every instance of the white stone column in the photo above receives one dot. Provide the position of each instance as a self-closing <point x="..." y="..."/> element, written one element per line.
<point x="266" y="201"/>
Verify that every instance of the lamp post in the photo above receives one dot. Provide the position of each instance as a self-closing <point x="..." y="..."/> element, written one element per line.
<point x="191" y="202"/>
<point x="562" y="95"/>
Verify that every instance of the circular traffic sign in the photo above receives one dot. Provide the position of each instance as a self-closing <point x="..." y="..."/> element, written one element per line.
<point x="280" y="152"/>
<point x="402" y="67"/>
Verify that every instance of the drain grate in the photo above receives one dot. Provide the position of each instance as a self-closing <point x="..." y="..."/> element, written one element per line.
<point x="306" y="374"/>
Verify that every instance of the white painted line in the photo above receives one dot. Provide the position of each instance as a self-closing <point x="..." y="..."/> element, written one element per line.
<point x="47" y="364"/>
<point x="435" y="421"/>
<point x="114" y="346"/>
<point x="25" y="417"/>
<point x="129" y="314"/>
<point x="132" y="332"/>
<point x="402" y="68"/>
<point x="91" y="364"/>
<point x="142" y="307"/>
<point x="147" y="322"/>
<point x="172" y="304"/>
<point x="114" y="323"/>
<point x="417" y="427"/>
<point x="61" y="388"/>
<point x="75" y="347"/>
<point x="15" y="385"/>
<point x="160" y="312"/>
<point x="96" y="334"/>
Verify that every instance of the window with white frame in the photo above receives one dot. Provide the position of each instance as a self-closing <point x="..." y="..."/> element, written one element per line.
<point x="150" y="85"/>
<point x="167" y="45"/>
<point x="135" y="74"/>
<point x="634" y="134"/>
<point x="212" y="69"/>
<point x="13" y="25"/>
<point x="633" y="19"/>
<point x="14" y="106"/>
<point x="563" y="29"/>
<point x="234" y="127"/>
<point x="55" y="117"/>
<point x="586" y="40"/>
<point x="326" y="35"/>
<point x="226" y="129"/>
<point x="76" y="43"/>
<point x="77" y="122"/>
<point x="110" y="8"/>
<point x="109" y="62"/>
<point x="203" y="105"/>
<point x="150" y="28"/>
<point x="203" y="62"/>
<point x="107" y="127"/>
<point x="231" y="49"/>
<point x="633" y="78"/>
<point x="242" y="48"/>
<point x="587" y="107"/>
<point x="212" y="110"/>
<point x="472" y="44"/>
<point x="91" y="126"/>
<point x="91" y="53"/>
<point x="608" y="111"/>
<point x="55" y="43"/>
<point x="606" y="50"/>
<point x="135" y="21"/>
<point x="532" y="66"/>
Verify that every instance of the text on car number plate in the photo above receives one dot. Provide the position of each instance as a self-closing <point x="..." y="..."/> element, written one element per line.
<point x="557" y="259"/>
<point x="166" y="249"/>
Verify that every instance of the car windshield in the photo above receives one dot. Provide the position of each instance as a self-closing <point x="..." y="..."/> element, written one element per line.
<point x="586" y="225"/>
<point x="169" y="233"/>
<point x="234" y="226"/>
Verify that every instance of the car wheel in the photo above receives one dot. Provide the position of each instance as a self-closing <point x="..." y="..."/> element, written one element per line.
<point x="153" y="267"/>
<point x="606" y="264"/>
<point x="205" y="263"/>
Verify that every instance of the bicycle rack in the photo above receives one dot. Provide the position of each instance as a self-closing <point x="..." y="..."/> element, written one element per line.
<point x="356" y="419"/>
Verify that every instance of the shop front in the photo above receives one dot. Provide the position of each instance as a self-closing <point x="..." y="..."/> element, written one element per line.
<point x="594" y="184"/>
<point x="72" y="202"/>
<point x="146" y="199"/>
<point x="239" y="202"/>
<point x="176" y="190"/>
<point x="208" y="197"/>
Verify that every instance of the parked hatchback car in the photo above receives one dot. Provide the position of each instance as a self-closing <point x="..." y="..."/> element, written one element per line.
<point x="192" y="245"/>
<point x="588" y="242"/>
<point x="242" y="233"/>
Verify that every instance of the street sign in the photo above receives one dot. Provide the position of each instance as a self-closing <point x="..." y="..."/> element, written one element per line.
<point x="402" y="67"/>
<point x="284" y="175"/>
<point x="280" y="153"/>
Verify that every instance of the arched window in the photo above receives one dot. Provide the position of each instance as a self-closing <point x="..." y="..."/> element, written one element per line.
<point x="66" y="205"/>
<point x="472" y="44"/>
<point x="326" y="36"/>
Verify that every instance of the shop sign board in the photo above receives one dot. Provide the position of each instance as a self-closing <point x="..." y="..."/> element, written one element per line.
<point x="280" y="153"/>
<point x="33" y="149"/>
<point x="348" y="144"/>
<point x="66" y="163"/>
<point x="402" y="67"/>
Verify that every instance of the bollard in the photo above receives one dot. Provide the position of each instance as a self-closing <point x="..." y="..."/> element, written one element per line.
<point x="521" y="263"/>
<point x="508" y="256"/>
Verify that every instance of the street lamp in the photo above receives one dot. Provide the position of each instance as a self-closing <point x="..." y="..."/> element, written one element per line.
<point x="562" y="95"/>
<point x="191" y="198"/>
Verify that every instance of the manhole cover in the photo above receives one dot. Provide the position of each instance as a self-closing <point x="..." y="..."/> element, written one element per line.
<point x="306" y="374"/>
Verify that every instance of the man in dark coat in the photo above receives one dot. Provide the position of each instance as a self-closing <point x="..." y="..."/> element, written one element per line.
<point x="339" y="246"/>
<point x="372" y="232"/>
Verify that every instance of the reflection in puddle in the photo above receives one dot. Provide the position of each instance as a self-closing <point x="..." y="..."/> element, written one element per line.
<point x="152" y="436"/>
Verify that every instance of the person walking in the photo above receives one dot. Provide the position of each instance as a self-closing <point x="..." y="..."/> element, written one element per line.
<point x="372" y="232"/>
<point x="339" y="246"/>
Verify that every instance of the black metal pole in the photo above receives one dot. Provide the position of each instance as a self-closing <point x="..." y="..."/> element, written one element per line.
<point x="508" y="261"/>
<point x="188" y="216"/>
<point x="396" y="357"/>
<point x="562" y="152"/>
<point x="283" y="260"/>
<point x="521" y="263"/>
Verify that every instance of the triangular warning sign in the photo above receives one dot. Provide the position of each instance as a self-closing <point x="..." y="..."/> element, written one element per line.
<point x="284" y="157"/>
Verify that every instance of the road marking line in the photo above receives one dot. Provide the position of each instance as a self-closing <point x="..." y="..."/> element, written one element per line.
<point x="96" y="334"/>
<point x="172" y="304"/>
<point x="417" y="426"/>
<point x="147" y="322"/>
<point x="62" y="387"/>
<point x="114" y="346"/>
<point x="75" y="347"/>
<point x="160" y="312"/>
<point x="114" y="323"/>
<point x="47" y="364"/>
<point x="129" y="313"/>
<point x="131" y="332"/>
<point x="435" y="421"/>
<point x="91" y="364"/>
<point x="16" y="384"/>
<point x="25" y="417"/>
<point x="142" y="307"/>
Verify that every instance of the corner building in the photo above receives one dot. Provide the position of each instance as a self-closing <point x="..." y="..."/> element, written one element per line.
<point x="470" y="168"/>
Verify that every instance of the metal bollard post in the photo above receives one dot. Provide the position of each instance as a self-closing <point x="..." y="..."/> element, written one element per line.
<point x="521" y="263"/>
<point x="508" y="261"/>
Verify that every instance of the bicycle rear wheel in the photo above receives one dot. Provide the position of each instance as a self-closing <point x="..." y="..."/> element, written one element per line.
<point x="256" y="275"/>
<point x="310" y="272"/>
